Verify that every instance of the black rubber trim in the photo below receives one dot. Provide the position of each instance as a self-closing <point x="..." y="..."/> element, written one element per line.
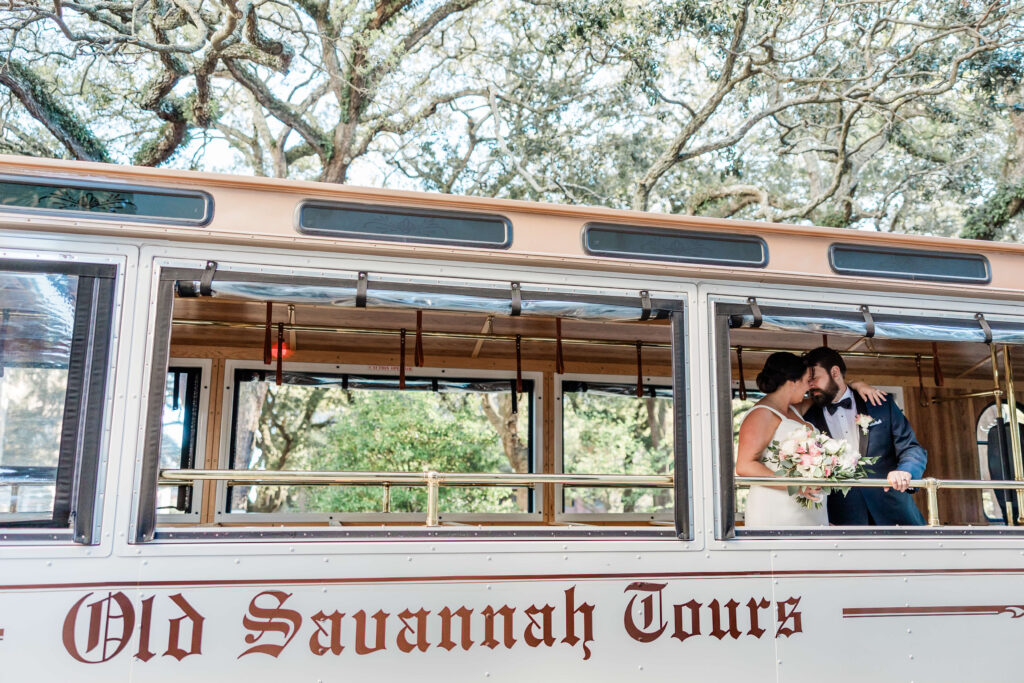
<point x="680" y="425"/>
<point x="725" y="524"/>
<point x="150" y="474"/>
<point x="91" y="433"/>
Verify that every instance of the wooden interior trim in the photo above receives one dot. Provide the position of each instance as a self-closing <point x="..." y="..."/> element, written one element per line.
<point x="213" y="428"/>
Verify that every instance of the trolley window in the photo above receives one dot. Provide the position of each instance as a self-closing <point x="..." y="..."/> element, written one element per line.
<point x="947" y="368"/>
<point x="608" y="429"/>
<point x="179" y="439"/>
<point x="371" y="423"/>
<point x="358" y="221"/>
<point x="55" y="324"/>
<point x="419" y="405"/>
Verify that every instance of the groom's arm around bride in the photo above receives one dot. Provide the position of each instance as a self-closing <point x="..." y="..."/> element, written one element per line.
<point x="888" y="437"/>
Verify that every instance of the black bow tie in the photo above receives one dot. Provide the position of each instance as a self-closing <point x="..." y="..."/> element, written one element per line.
<point x="833" y="407"/>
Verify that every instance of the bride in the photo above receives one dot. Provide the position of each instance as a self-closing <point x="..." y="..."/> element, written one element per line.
<point x="785" y="381"/>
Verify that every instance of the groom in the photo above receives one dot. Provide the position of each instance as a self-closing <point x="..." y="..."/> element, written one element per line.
<point x="889" y="438"/>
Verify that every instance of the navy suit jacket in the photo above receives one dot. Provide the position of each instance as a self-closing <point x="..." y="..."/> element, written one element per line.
<point x="892" y="441"/>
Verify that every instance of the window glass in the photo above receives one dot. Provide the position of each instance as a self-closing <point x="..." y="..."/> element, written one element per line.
<point x="368" y="424"/>
<point x="995" y="502"/>
<point x="178" y="207"/>
<point x="684" y="246"/>
<point x="909" y="264"/>
<point x="740" y="407"/>
<point x="178" y="439"/>
<point x="606" y="429"/>
<point x="405" y="225"/>
<point x="37" y="318"/>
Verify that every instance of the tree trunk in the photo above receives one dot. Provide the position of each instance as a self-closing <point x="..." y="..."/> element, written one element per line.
<point x="498" y="409"/>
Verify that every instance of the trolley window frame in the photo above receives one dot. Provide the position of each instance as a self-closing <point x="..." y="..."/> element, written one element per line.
<point x="232" y="370"/>
<point x="561" y="515"/>
<point x="75" y="509"/>
<point x="144" y="522"/>
<point x="721" y="308"/>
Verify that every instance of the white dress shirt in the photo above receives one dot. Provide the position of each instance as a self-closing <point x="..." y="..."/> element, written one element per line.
<point x="843" y="423"/>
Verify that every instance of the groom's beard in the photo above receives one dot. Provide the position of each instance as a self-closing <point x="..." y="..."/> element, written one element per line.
<point x="825" y="396"/>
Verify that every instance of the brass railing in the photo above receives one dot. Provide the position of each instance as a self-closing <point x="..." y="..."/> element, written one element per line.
<point x="432" y="480"/>
<point x="930" y="485"/>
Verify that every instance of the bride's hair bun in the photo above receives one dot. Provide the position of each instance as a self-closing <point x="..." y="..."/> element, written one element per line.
<point x="780" y="368"/>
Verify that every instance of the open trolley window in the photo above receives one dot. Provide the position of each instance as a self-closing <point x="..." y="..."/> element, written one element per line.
<point x="949" y="368"/>
<point x="55" y="327"/>
<point x="366" y="400"/>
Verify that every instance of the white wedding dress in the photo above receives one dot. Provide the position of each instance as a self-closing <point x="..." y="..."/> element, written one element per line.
<point x="769" y="508"/>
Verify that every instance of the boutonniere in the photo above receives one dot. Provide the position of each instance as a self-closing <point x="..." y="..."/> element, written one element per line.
<point x="865" y="421"/>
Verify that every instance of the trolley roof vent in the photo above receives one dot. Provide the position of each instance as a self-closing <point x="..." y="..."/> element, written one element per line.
<point x="411" y="225"/>
<point x="909" y="264"/>
<point x="683" y="246"/>
<point x="89" y="199"/>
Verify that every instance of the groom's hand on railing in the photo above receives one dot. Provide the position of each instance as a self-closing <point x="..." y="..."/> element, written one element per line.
<point x="899" y="479"/>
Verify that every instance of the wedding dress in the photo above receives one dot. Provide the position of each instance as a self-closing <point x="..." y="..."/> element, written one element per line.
<point x="769" y="508"/>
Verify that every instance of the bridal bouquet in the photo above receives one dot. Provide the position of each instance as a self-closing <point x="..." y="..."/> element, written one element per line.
<point x="806" y="452"/>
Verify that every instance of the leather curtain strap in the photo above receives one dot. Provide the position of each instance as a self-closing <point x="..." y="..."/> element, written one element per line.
<point x="639" y="369"/>
<point x="936" y="368"/>
<point x="869" y="322"/>
<point x="267" y="357"/>
<point x="361" y="285"/>
<point x="920" y="376"/>
<point x="519" y="363"/>
<point x="401" y="359"/>
<point x="206" y="280"/>
<point x="824" y="340"/>
<point x="755" y="311"/>
<point x="645" y="305"/>
<point x="559" y="358"/>
<point x="280" y="354"/>
<point x="984" y="327"/>
<point x="418" y="353"/>
<point x="515" y="397"/>
<point x="176" y="389"/>
<point x="743" y="383"/>
<point x="517" y="300"/>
